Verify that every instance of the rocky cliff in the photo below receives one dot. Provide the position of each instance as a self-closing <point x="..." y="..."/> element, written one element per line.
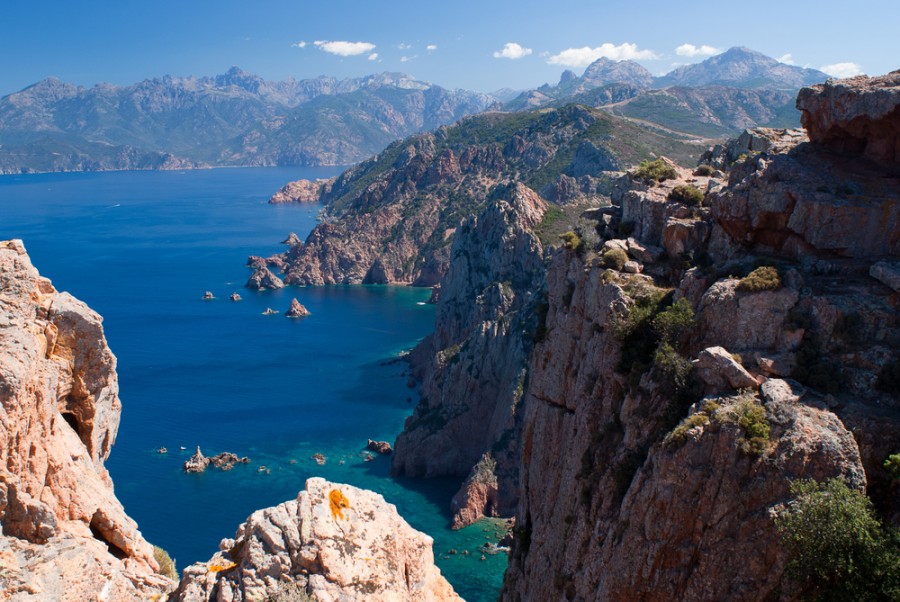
<point x="391" y="219"/>
<point x="645" y="472"/>
<point x="473" y="367"/>
<point x="334" y="542"/>
<point x="65" y="536"/>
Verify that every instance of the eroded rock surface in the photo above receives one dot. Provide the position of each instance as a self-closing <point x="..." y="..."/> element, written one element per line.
<point x="859" y="115"/>
<point x="65" y="536"/>
<point x="334" y="542"/>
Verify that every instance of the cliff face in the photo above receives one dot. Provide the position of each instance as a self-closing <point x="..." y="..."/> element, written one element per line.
<point x="473" y="367"/>
<point x="391" y="219"/>
<point x="64" y="533"/>
<point x="334" y="542"/>
<point x="641" y="475"/>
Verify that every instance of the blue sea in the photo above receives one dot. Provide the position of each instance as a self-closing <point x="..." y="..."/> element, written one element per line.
<point x="141" y="248"/>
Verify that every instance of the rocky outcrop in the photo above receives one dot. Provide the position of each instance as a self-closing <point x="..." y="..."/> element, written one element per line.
<point x="263" y="278"/>
<point x="333" y="542"/>
<point x="379" y="447"/>
<point x="859" y="116"/>
<point x="224" y="461"/>
<point x="479" y="496"/>
<point x="392" y="219"/>
<point x="807" y="203"/>
<point x="601" y="442"/>
<point x="65" y="536"/>
<point x="473" y="368"/>
<point x="296" y="310"/>
<point x="303" y="191"/>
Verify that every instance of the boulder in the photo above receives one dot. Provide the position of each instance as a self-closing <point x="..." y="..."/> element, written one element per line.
<point x="721" y="373"/>
<point x="292" y="239"/>
<point x="262" y="278"/>
<point x="333" y="542"/>
<point x="886" y="273"/>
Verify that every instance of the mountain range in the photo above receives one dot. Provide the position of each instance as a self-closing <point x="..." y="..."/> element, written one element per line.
<point x="232" y="119"/>
<point x="238" y="118"/>
<point x="720" y="96"/>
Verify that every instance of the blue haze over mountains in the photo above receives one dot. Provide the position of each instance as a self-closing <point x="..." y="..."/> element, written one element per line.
<point x="238" y="118"/>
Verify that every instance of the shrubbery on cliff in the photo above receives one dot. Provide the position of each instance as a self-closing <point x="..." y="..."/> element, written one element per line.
<point x="839" y="548"/>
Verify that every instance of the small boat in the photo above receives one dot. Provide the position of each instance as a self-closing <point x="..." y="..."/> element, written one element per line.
<point x="208" y="296"/>
<point x="183" y="448"/>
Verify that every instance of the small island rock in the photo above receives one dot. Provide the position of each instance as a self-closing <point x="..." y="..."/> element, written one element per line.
<point x="235" y="297"/>
<point x="296" y="310"/>
<point x="292" y="239"/>
<point x="381" y="447"/>
<point x="196" y="463"/>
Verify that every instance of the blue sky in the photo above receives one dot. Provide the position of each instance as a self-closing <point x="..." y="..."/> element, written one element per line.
<point x="476" y="45"/>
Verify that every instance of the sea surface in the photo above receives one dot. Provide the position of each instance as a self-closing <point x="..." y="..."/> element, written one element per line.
<point x="141" y="248"/>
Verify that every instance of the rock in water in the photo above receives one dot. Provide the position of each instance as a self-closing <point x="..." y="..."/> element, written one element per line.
<point x="381" y="447"/>
<point x="63" y="533"/>
<point x="296" y="310"/>
<point x="235" y="297"/>
<point x="334" y="542"/>
<point x="263" y="278"/>
<point x="291" y="240"/>
<point x="196" y="463"/>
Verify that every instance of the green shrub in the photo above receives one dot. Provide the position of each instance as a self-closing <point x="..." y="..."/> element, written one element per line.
<point x="838" y="548"/>
<point x="614" y="259"/>
<point x="687" y="194"/>
<point x="748" y="414"/>
<point x="765" y="278"/>
<point x="572" y="241"/>
<point x="678" y="436"/>
<point x="674" y="367"/>
<point x="892" y="465"/>
<point x="166" y="564"/>
<point x="672" y="322"/>
<point x="655" y="171"/>
<point x="704" y="170"/>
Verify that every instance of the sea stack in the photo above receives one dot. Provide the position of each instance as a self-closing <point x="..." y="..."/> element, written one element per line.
<point x="296" y="310"/>
<point x="263" y="278"/>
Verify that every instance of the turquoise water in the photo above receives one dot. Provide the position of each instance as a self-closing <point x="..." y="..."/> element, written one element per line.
<point x="141" y="248"/>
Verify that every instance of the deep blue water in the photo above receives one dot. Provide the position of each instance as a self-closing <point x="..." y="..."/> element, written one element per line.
<point x="141" y="248"/>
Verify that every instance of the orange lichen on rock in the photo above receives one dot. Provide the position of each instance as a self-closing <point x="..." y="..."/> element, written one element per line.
<point x="218" y="568"/>
<point x="338" y="503"/>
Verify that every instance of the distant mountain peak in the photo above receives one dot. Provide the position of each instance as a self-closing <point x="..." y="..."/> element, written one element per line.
<point x="744" y="68"/>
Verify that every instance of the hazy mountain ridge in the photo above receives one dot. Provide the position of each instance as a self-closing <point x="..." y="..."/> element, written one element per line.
<point x="720" y="96"/>
<point x="236" y="118"/>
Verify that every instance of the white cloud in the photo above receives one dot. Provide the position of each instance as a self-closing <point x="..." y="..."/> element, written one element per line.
<point x="341" y="48"/>
<point x="691" y="50"/>
<point x="300" y="44"/>
<point x="431" y="47"/>
<point x="787" y="59"/>
<point x="406" y="59"/>
<point x="403" y="46"/>
<point x="842" y="70"/>
<point x="511" y="50"/>
<point x="373" y="56"/>
<point x="582" y="57"/>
